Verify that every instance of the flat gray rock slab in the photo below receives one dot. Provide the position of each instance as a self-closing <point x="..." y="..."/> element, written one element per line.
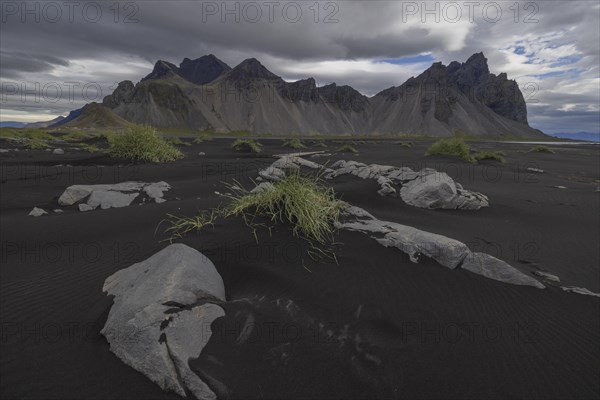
<point x="448" y="252"/>
<point x="110" y="199"/>
<point x="37" y="212"/>
<point x="580" y="290"/>
<point x="493" y="268"/>
<point x="414" y="242"/>
<point x="162" y="315"/>
<point x="547" y="276"/>
<point x="112" y="195"/>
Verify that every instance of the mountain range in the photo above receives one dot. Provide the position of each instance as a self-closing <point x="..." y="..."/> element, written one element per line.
<point x="207" y="94"/>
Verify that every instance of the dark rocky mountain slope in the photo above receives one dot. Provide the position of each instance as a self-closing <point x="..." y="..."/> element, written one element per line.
<point x="206" y="94"/>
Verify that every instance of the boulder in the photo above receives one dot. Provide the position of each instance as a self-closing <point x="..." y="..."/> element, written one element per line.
<point x="432" y="189"/>
<point x="493" y="268"/>
<point x="162" y="315"/>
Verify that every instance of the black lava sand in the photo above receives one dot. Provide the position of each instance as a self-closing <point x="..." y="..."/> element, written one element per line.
<point x="374" y="326"/>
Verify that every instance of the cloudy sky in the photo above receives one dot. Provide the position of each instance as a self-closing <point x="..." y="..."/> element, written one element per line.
<point x="58" y="55"/>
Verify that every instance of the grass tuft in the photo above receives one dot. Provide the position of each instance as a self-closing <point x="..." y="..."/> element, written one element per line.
<point x="404" y="144"/>
<point x="294" y="143"/>
<point x="540" y="148"/>
<point x="454" y="147"/>
<point x="247" y="146"/>
<point x="179" y="226"/>
<point x="141" y="143"/>
<point x="90" y="148"/>
<point x="310" y="207"/>
<point x="201" y="138"/>
<point x="346" y="148"/>
<point x="490" y="155"/>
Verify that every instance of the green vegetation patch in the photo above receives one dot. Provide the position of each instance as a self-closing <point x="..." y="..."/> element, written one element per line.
<point x="293" y="143"/>
<point x="490" y="155"/>
<point x="540" y="148"/>
<point x="247" y="146"/>
<point x="141" y="143"/>
<point x="453" y="147"/>
<point x="346" y="148"/>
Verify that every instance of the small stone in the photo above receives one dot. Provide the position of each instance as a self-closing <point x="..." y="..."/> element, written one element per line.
<point x="58" y="151"/>
<point x="37" y="212"/>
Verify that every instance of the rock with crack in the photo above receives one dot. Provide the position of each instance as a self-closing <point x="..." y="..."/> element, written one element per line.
<point x="432" y="189"/>
<point x="414" y="242"/>
<point x="492" y="268"/>
<point x="427" y="188"/>
<point x="448" y="252"/>
<point x="162" y="315"/>
<point x="115" y="195"/>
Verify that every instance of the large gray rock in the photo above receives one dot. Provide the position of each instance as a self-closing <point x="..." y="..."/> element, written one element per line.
<point x="112" y="195"/>
<point x="492" y="268"/>
<point x="414" y="242"/>
<point x="432" y="189"/>
<point x="110" y="199"/>
<point x="448" y="252"/>
<point x="162" y="315"/>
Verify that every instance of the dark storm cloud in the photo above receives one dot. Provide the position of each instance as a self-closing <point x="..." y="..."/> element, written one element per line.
<point x="106" y="42"/>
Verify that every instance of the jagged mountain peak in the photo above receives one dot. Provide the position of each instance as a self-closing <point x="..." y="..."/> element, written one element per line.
<point x="251" y="68"/>
<point x="199" y="71"/>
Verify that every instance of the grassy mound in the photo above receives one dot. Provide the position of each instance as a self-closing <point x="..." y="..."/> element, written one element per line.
<point x="308" y="206"/>
<point x="346" y="148"/>
<point x="541" y="149"/>
<point x="294" y="143"/>
<point x="247" y="146"/>
<point x="141" y="143"/>
<point x="491" y="155"/>
<point x="454" y="147"/>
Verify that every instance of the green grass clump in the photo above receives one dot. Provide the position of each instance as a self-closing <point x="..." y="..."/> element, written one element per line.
<point x="141" y="143"/>
<point x="179" y="226"/>
<point x="36" y="143"/>
<point x="175" y="141"/>
<point x="201" y="138"/>
<point x="76" y="136"/>
<point x="319" y="143"/>
<point x="404" y="144"/>
<point x="540" y="148"/>
<point x="454" y="147"/>
<point x="90" y="148"/>
<point x="346" y="148"/>
<point x="294" y="143"/>
<point x="247" y="146"/>
<point x="310" y="207"/>
<point x="490" y="155"/>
